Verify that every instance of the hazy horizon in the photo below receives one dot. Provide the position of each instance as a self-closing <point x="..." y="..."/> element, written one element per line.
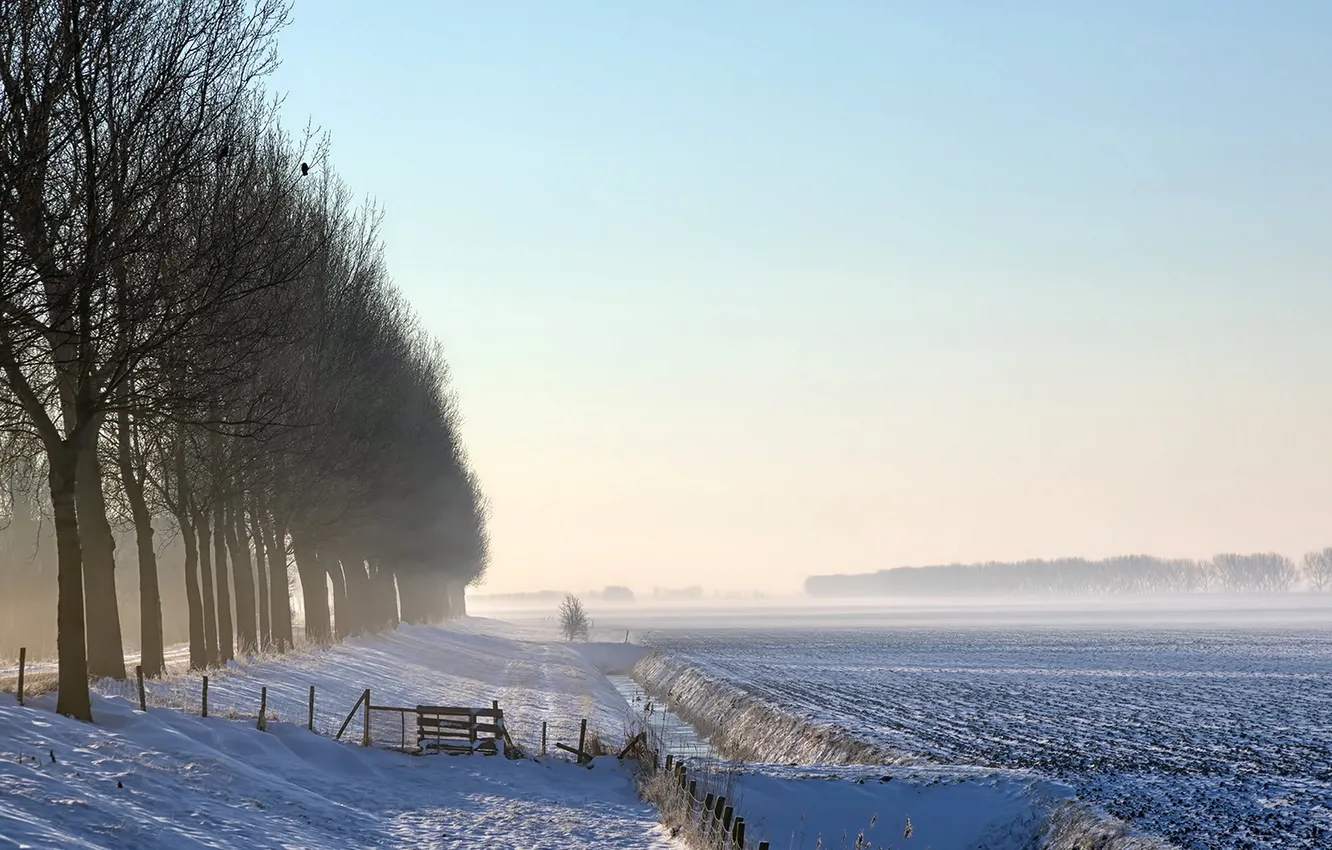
<point x="737" y="294"/>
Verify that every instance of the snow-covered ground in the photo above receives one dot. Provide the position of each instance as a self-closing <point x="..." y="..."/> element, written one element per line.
<point x="1207" y="738"/>
<point x="169" y="778"/>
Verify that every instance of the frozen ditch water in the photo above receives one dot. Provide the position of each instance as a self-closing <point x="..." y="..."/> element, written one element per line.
<point x="678" y="738"/>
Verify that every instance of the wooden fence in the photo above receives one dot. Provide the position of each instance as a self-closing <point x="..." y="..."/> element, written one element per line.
<point x="418" y="729"/>
<point x="708" y="814"/>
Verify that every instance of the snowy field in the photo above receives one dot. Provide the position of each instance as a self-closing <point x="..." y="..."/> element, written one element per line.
<point x="168" y="778"/>
<point x="1209" y="738"/>
<point x="171" y="779"/>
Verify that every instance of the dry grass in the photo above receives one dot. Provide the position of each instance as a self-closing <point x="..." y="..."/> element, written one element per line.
<point x="1073" y="827"/>
<point x="35" y="683"/>
<point x="595" y="746"/>
<point x="683" y="817"/>
<point x="661" y="790"/>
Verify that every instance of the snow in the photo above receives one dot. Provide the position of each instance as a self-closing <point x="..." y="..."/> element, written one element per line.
<point x="168" y="778"/>
<point x="611" y="658"/>
<point x="803" y="808"/>
<point x="865" y="804"/>
<point x="1206" y="738"/>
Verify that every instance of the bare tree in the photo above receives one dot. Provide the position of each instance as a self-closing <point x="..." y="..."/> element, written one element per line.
<point x="574" y="622"/>
<point x="1318" y="570"/>
<point x="108" y="106"/>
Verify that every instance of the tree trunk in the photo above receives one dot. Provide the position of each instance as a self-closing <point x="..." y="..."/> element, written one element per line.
<point x="360" y="600"/>
<point x="194" y="604"/>
<point x="445" y="595"/>
<point x="376" y="616"/>
<point x="71" y="640"/>
<point x="385" y="594"/>
<point x="410" y="597"/>
<point x="151" y="641"/>
<point x="314" y="589"/>
<point x="247" y="628"/>
<point x="390" y="596"/>
<point x="106" y="649"/>
<point x="395" y="597"/>
<point x="226" y="644"/>
<point x="260" y="572"/>
<point x="151" y="646"/>
<point x="341" y="610"/>
<point x="459" y="599"/>
<point x="279" y="595"/>
<point x="206" y="584"/>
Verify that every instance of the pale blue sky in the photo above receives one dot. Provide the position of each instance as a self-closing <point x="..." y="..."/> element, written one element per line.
<point x="739" y="291"/>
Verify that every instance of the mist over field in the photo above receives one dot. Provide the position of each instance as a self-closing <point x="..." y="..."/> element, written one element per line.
<point x="611" y="621"/>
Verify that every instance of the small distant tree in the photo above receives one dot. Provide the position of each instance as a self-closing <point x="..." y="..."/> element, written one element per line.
<point x="574" y="621"/>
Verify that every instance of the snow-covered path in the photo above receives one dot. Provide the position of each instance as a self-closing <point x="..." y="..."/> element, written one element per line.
<point x="171" y="779"/>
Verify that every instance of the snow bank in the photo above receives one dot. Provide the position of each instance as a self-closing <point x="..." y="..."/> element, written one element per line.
<point x="171" y="779"/>
<point x="937" y="807"/>
<point x="746" y="727"/>
<point x="946" y="808"/>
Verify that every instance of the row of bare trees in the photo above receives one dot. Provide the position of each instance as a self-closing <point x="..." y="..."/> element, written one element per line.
<point x="28" y="586"/>
<point x="198" y="336"/>
<point x="1225" y="573"/>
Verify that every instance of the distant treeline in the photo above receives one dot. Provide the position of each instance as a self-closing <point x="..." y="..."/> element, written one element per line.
<point x="1229" y="573"/>
<point x="610" y="593"/>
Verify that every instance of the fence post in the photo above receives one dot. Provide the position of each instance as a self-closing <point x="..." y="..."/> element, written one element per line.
<point x="670" y="762"/>
<point x="365" y="732"/>
<point x="143" y="698"/>
<point x="543" y="737"/>
<point x="23" y="660"/>
<point x="763" y="845"/>
<point x="263" y="708"/>
<point x="738" y="833"/>
<point x="727" y="814"/>
<point x="693" y="795"/>
<point x="582" y="739"/>
<point x="498" y="720"/>
<point x="309" y="724"/>
<point x="204" y="700"/>
<point x="717" y="809"/>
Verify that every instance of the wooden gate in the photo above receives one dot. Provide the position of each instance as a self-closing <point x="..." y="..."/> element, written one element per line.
<point x="459" y="729"/>
<point x="439" y="728"/>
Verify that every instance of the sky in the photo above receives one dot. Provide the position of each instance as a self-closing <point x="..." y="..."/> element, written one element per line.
<point x="735" y="293"/>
